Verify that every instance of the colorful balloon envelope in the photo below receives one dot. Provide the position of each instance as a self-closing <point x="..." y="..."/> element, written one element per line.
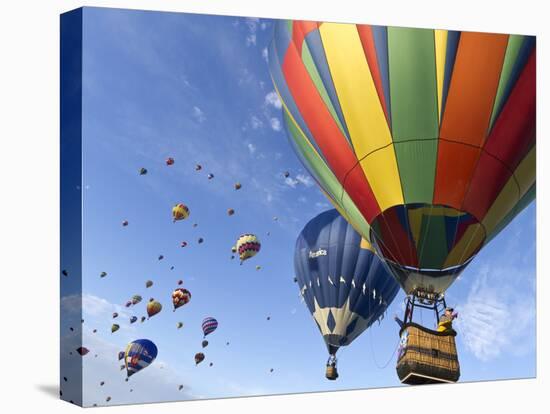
<point x="204" y="343"/>
<point x="180" y="297"/>
<point x="209" y="325"/>
<point x="344" y="284"/>
<point x="125" y="223"/>
<point x="149" y="283"/>
<point x="230" y="211"/>
<point x="199" y="357"/>
<point x="114" y="327"/>
<point x="139" y="354"/>
<point x="424" y="140"/>
<point x="180" y="212"/>
<point x="153" y="307"/>
<point x="248" y="245"/>
<point x="183" y="244"/>
<point x="238" y="186"/>
<point x="169" y="161"/>
<point x="136" y="299"/>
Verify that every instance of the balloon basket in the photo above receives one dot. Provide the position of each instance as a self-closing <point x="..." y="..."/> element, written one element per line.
<point x="426" y="356"/>
<point x="331" y="373"/>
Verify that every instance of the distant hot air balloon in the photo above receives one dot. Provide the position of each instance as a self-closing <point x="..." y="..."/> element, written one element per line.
<point x="142" y="171"/>
<point x="180" y="212"/>
<point x="195" y="224"/>
<point x="210" y="176"/>
<point x="82" y="350"/>
<point x="286" y="174"/>
<point x="128" y="304"/>
<point x="211" y="364"/>
<point x="424" y="139"/>
<point x="115" y="314"/>
<point x="169" y="161"/>
<point x="121" y="355"/>
<point x="204" y="343"/>
<point x="200" y="240"/>
<point x="248" y="245"/>
<point x="180" y="297"/>
<point x="102" y="383"/>
<point x="136" y="299"/>
<point x="183" y="244"/>
<point x="103" y="274"/>
<point x="153" y="307"/>
<point x="198" y="167"/>
<point x="238" y="186"/>
<point x="161" y="257"/>
<point x="258" y="267"/>
<point x="139" y="354"/>
<point x="125" y="223"/>
<point x="199" y="357"/>
<point x="149" y="283"/>
<point x="344" y="284"/>
<point x="108" y="399"/>
<point x="64" y="272"/>
<point x="143" y="319"/>
<point x="209" y="325"/>
<point x="230" y="211"/>
<point x="133" y="319"/>
<point x="114" y="327"/>
<point x="180" y="282"/>
<point x="179" y="325"/>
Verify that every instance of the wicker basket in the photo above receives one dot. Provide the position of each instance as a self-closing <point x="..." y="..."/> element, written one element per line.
<point x="331" y="373"/>
<point x="426" y="356"/>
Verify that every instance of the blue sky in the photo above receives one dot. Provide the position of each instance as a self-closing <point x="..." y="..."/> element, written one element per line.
<point x="197" y="88"/>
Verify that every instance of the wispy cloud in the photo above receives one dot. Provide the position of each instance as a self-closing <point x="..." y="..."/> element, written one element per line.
<point x="305" y="180"/>
<point x="273" y="99"/>
<point x="499" y="313"/>
<point x="291" y="182"/>
<point x="251" y="148"/>
<point x="198" y="114"/>
<point x="256" y="122"/>
<point x="275" y="124"/>
<point x="265" y="54"/>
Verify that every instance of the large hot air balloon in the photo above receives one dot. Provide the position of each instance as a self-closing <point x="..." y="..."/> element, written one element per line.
<point x="180" y="297"/>
<point x="180" y="212"/>
<point x="423" y="139"/>
<point x="138" y="355"/>
<point x="248" y="245"/>
<point x="344" y="284"/>
<point x="153" y="307"/>
<point x="209" y="325"/>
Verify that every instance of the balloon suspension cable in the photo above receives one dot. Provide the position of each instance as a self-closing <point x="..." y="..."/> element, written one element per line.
<point x="373" y="355"/>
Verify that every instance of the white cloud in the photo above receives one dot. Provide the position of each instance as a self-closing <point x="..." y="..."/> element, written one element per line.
<point x="251" y="40"/>
<point x="319" y="204"/>
<point x="251" y="148"/>
<point x="305" y="180"/>
<point x="256" y="122"/>
<point x="264" y="54"/>
<point x="198" y="114"/>
<point x="499" y="314"/>
<point x="273" y="99"/>
<point x="291" y="182"/>
<point x="275" y="124"/>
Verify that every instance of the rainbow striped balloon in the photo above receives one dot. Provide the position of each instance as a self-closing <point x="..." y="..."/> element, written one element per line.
<point x="424" y="140"/>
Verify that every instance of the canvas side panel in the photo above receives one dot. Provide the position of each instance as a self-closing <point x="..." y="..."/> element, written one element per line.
<point x="71" y="206"/>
